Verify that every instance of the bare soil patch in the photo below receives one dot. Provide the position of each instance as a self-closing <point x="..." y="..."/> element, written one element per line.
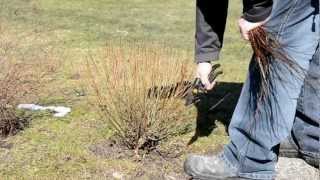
<point x="164" y="162"/>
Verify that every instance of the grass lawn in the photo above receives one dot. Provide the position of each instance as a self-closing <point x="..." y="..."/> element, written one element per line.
<point x="52" y="148"/>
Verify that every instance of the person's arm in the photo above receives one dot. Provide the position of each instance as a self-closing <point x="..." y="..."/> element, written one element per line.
<point x="211" y="21"/>
<point x="210" y="25"/>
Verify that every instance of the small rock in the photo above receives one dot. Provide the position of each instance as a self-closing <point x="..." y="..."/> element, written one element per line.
<point x="117" y="175"/>
<point x="168" y="177"/>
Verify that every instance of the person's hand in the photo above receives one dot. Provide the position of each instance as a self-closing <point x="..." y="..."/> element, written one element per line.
<point x="246" y="26"/>
<point x="203" y="71"/>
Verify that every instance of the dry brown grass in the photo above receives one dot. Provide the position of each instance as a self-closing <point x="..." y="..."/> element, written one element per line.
<point x="122" y="82"/>
<point x="22" y="75"/>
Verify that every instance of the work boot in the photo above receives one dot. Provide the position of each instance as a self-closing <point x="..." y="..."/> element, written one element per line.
<point x="312" y="161"/>
<point x="209" y="168"/>
<point x="288" y="149"/>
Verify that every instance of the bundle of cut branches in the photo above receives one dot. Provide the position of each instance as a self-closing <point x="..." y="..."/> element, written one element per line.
<point x="267" y="51"/>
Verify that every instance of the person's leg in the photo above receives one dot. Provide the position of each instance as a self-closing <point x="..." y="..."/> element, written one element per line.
<point x="306" y="128"/>
<point x="257" y="127"/>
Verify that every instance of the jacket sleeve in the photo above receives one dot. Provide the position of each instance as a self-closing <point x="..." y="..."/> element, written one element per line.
<point x="210" y="26"/>
<point x="256" y="10"/>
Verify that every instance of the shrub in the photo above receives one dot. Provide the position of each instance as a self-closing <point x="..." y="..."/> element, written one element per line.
<point x="123" y="83"/>
<point x="22" y="74"/>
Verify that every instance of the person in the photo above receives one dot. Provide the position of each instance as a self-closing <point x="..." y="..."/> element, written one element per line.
<point x="290" y="115"/>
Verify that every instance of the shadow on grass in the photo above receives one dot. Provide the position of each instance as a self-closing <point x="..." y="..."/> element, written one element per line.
<point x="206" y="118"/>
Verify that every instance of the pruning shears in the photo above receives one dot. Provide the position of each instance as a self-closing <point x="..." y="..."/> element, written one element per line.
<point x="198" y="90"/>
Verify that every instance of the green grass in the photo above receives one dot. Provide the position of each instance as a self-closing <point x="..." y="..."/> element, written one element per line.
<point x="58" y="148"/>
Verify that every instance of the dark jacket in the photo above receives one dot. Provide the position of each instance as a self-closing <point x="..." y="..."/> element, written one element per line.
<point x="211" y="21"/>
<point x="256" y="10"/>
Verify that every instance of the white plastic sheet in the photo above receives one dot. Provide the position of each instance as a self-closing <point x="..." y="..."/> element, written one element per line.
<point x="59" y="111"/>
